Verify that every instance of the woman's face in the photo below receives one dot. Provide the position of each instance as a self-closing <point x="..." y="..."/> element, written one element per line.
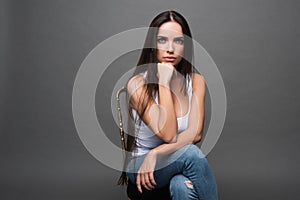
<point x="170" y="43"/>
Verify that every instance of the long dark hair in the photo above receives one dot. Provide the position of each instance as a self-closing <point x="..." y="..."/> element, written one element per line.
<point x="148" y="60"/>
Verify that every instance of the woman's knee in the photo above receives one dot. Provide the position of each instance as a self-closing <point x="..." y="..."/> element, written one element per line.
<point x="175" y="182"/>
<point x="181" y="188"/>
<point x="194" y="151"/>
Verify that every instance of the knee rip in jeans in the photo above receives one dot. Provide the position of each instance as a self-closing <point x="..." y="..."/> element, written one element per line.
<point x="189" y="184"/>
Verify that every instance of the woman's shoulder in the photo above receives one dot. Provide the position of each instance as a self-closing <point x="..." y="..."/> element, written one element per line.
<point x="197" y="79"/>
<point x="135" y="82"/>
<point x="198" y="84"/>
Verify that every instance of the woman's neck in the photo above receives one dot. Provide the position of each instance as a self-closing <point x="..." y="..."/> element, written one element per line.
<point x="177" y="81"/>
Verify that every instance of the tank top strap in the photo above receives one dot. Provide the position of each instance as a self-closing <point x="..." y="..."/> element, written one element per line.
<point x="189" y="87"/>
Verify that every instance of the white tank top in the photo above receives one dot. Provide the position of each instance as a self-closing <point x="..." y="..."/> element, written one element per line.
<point x="146" y="139"/>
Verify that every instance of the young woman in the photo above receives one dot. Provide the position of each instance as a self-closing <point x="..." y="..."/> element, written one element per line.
<point x="166" y="102"/>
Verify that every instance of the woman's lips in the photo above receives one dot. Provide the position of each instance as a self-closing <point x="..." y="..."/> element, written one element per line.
<point x="169" y="59"/>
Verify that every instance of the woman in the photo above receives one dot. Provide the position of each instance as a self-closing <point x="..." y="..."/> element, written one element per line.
<point x="166" y="101"/>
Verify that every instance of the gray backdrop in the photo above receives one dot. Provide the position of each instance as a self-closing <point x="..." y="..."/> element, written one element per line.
<point x="254" y="43"/>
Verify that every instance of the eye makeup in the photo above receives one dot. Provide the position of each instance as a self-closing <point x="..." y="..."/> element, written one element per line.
<point x="163" y="40"/>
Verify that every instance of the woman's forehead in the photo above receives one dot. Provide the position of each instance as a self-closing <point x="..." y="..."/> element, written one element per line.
<point x="170" y="28"/>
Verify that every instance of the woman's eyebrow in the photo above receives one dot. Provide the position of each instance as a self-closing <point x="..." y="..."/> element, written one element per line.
<point x="178" y="37"/>
<point x="162" y="36"/>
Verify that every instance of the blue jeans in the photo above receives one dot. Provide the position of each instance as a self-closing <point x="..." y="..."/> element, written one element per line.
<point x="177" y="169"/>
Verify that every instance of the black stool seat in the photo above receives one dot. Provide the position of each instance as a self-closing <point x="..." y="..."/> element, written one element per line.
<point x="156" y="194"/>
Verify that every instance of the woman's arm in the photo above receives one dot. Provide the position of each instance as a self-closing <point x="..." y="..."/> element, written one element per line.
<point x="191" y="135"/>
<point x="161" y="118"/>
<point x="195" y="125"/>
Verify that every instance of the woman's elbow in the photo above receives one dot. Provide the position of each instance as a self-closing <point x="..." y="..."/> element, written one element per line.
<point x="168" y="134"/>
<point x="170" y="138"/>
<point x="197" y="138"/>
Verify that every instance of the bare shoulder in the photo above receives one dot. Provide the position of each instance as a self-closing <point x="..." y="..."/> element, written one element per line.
<point x="198" y="81"/>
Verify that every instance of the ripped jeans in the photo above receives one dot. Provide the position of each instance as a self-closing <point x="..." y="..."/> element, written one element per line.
<point x="186" y="170"/>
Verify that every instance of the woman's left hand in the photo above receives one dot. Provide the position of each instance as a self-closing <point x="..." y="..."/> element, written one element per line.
<point x="145" y="176"/>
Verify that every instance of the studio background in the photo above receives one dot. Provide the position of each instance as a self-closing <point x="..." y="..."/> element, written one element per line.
<point x="254" y="43"/>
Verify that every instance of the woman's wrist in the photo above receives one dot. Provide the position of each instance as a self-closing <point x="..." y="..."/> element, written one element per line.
<point x="153" y="152"/>
<point x="164" y="82"/>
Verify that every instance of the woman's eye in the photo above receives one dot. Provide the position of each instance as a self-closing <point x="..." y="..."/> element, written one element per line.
<point x="179" y="41"/>
<point x="161" y="40"/>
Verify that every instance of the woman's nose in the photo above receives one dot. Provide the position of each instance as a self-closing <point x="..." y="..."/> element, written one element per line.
<point x="170" y="48"/>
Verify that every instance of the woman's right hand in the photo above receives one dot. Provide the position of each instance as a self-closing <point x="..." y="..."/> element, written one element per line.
<point x="165" y="72"/>
<point x="145" y="176"/>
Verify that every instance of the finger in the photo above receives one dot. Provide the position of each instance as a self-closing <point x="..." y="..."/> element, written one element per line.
<point x="151" y="177"/>
<point x="147" y="181"/>
<point x="138" y="182"/>
<point x="143" y="178"/>
<point x="168" y="65"/>
<point x="165" y="64"/>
